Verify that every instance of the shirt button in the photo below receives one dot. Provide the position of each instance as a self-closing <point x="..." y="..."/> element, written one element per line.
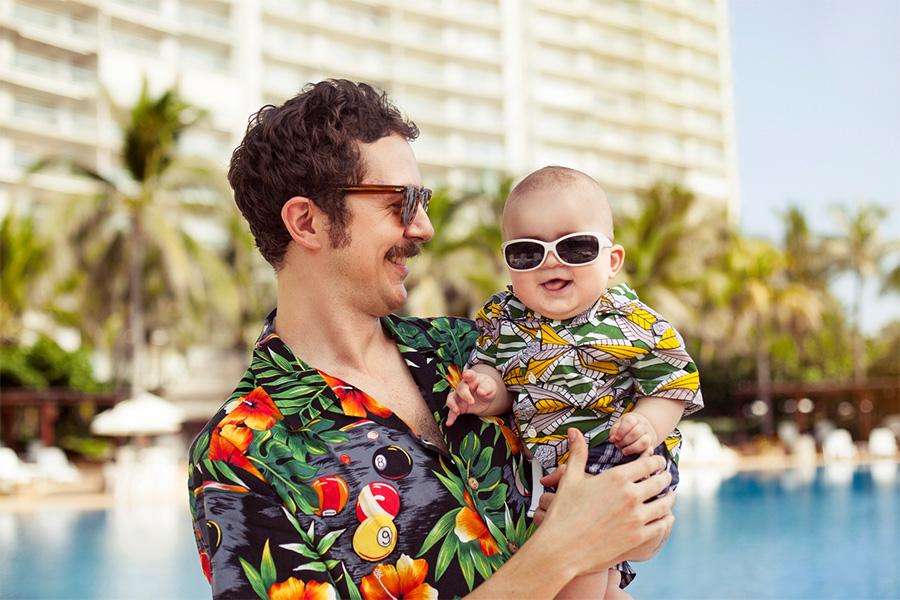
<point x="532" y="432"/>
<point x="512" y="547"/>
<point x="473" y="483"/>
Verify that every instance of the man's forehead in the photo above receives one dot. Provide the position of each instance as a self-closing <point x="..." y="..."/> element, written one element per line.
<point x="389" y="160"/>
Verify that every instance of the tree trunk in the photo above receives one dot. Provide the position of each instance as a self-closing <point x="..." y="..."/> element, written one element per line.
<point x="136" y="300"/>
<point x="764" y="385"/>
<point x="859" y="348"/>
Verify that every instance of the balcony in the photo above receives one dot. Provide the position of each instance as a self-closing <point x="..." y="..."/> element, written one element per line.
<point x="52" y="28"/>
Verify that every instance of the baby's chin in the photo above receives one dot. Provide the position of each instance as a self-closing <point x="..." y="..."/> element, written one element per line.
<point x="548" y="311"/>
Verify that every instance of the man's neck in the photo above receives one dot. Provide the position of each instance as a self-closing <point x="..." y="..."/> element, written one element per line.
<point x="328" y="334"/>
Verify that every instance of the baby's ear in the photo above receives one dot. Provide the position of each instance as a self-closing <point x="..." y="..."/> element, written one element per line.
<point x="616" y="259"/>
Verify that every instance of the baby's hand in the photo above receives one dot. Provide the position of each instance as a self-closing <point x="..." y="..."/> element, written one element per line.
<point x="473" y="395"/>
<point x="633" y="434"/>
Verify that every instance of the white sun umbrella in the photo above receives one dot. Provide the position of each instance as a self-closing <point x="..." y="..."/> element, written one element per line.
<point x="145" y="414"/>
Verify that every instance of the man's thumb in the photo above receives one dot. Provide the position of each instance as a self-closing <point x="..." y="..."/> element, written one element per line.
<point x="578" y="452"/>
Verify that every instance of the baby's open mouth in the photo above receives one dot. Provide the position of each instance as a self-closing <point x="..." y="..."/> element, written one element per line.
<point x="555" y="285"/>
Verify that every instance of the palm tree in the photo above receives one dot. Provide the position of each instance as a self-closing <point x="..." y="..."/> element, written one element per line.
<point x="807" y="256"/>
<point x="765" y="303"/>
<point x="460" y="267"/>
<point x="24" y="260"/>
<point x="671" y="240"/>
<point x="861" y="252"/>
<point x="132" y="244"/>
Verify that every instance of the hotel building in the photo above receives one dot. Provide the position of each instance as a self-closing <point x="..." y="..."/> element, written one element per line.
<point x="629" y="91"/>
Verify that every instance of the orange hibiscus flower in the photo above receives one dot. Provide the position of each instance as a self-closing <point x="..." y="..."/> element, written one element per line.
<point x="355" y="402"/>
<point x="256" y="410"/>
<point x="512" y="440"/>
<point x="229" y="442"/>
<point x="406" y="580"/>
<point x="453" y="376"/>
<point x="294" y="589"/>
<point x="470" y="526"/>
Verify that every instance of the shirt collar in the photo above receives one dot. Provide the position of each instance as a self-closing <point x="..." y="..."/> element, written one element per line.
<point x="615" y="300"/>
<point x="408" y="336"/>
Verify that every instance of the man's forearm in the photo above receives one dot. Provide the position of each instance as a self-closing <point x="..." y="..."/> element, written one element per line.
<point x="539" y="569"/>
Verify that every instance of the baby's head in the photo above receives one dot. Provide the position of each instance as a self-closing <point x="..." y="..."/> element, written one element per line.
<point x="549" y="204"/>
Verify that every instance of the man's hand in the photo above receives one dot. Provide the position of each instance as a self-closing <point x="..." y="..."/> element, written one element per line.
<point x="633" y="434"/>
<point x="474" y="395"/>
<point x="606" y="515"/>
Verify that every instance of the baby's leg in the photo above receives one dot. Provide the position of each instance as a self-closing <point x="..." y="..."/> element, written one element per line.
<point x="586" y="586"/>
<point x="613" y="592"/>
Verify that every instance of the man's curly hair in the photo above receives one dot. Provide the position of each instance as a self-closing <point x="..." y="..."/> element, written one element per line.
<point x="308" y="147"/>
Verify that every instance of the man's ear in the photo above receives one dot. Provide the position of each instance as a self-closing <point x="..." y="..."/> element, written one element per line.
<point x="616" y="259"/>
<point x="303" y="221"/>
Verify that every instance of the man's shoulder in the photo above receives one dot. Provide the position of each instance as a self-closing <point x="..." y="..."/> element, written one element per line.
<point x="429" y="331"/>
<point x="244" y="387"/>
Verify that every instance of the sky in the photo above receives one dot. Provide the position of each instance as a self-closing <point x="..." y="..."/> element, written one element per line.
<point x="817" y="115"/>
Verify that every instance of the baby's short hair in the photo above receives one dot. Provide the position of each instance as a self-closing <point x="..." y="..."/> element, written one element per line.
<point x="551" y="176"/>
<point x="556" y="176"/>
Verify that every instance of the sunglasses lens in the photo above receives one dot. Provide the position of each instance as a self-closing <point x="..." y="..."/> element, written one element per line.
<point x="411" y="199"/>
<point x="521" y="256"/>
<point x="578" y="249"/>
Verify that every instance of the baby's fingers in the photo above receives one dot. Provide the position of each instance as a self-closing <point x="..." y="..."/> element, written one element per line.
<point x="464" y="397"/>
<point x="453" y="409"/>
<point x="641" y="445"/>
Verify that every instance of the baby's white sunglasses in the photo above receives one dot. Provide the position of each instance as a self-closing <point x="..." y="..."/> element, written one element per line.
<point x="574" y="249"/>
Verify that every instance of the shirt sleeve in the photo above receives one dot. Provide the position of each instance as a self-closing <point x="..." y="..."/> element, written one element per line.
<point x="250" y="544"/>
<point x="251" y="547"/>
<point x="667" y="370"/>
<point x="488" y="322"/>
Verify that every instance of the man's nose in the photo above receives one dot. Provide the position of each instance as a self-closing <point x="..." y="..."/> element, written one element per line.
<point x="420" y="227"/>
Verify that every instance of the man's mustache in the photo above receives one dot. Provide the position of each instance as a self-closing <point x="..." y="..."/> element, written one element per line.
<point x="407" y="250"/>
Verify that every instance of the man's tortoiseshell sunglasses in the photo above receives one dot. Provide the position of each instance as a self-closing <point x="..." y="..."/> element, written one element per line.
<point x="412" y="197"/>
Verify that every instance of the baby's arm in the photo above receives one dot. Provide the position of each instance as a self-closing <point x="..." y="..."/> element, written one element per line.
<point x="481" y="391"/>
<point x="645" y="427"/>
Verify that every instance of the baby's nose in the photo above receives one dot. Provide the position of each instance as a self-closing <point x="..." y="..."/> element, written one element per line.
<point x="552" y="259"/>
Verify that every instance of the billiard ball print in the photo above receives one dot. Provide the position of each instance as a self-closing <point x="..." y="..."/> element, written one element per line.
<point x="376" y="537"/>
<point x="332" y="492"/>
<point x="392" y="462"/>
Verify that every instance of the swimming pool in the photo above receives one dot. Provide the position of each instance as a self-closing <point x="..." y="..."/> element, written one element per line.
<point x="817" y="533"/>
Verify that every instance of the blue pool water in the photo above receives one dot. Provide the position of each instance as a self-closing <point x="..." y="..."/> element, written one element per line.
<point x="789" y="534"/>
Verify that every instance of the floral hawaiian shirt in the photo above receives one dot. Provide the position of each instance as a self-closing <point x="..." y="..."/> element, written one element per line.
<point x="303" y="486"/>
<point x="586" y="371"/>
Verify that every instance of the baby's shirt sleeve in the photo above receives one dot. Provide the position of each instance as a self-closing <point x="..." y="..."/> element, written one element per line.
<point x="488" y="323"/>
<point x="667" y="370"/>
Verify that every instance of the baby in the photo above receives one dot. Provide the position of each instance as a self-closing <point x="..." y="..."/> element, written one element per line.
<point x="565" y="350"/>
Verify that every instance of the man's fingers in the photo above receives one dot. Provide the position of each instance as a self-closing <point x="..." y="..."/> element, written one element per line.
<point x="552" y="480"/>
<point x="644" y="466"/>
<point x="659" y="508"/>
<point x="546" y="500"/>
<point x="653" y="485"/>
<point x="544" y="503"/>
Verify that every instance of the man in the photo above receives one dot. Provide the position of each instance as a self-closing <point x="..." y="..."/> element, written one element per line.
<point x="329" y="472"/>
